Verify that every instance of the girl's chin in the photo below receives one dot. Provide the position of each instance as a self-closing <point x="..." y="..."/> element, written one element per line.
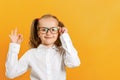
<point x="48" y="44"/>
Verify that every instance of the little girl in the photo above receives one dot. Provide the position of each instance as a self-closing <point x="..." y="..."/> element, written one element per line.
<point x="51" y="51"/>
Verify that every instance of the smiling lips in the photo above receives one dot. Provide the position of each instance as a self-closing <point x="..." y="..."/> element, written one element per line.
<point x="48" y="37"/>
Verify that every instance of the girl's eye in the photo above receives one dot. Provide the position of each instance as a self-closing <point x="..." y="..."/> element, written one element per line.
<point x="54" y="29"/>
<point x="44" y="29"/>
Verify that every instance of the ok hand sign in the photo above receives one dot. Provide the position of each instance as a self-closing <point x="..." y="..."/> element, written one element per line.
<point x="15" y="37"/>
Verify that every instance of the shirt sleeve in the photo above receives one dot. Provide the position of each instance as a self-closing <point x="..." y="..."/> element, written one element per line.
<point x="71" y="58"/>
<point x="15" y="67"/>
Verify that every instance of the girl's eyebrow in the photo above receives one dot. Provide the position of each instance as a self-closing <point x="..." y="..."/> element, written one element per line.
<point x="47" y="27"/>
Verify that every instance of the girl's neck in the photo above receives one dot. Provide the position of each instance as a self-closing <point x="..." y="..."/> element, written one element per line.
<point x="48" y="45"/>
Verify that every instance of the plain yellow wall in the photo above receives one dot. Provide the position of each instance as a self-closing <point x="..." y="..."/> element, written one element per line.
<point x="94" y="26"/>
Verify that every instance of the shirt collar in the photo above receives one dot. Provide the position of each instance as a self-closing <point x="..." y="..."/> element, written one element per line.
<point x="43" y="47"/>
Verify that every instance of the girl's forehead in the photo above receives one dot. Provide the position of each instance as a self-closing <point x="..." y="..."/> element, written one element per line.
<point x="48" y="22"/>
<point x="48" y="19"/>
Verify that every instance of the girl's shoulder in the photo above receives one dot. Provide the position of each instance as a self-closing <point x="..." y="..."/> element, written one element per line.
<point x="31" y="50"/>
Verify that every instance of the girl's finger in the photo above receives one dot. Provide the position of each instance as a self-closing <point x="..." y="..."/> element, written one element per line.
<point x="20" y="38"/>
<point x="9" y="36"/>
<point x="15" y="32"/>
<point x="63" y="29"/>
<point x="11" y="32"/>
<point x="20" y="35"/>
<point x="66" y="30"/>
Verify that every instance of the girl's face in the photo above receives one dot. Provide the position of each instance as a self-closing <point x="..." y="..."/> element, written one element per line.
<point x="48" y="31"/>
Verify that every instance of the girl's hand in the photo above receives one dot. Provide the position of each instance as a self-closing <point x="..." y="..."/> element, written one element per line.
<point x="63" y="30"/>
<point x="15" y="38"/>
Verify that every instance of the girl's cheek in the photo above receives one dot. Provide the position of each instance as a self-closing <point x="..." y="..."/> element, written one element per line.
<point x="56" y="35"/>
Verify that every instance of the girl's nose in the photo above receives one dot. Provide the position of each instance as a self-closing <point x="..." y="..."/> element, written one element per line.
<point x="48" y="32"/>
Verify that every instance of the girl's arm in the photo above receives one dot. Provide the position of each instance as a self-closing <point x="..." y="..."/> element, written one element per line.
<point x="71" y="58"/>
<point x="15" y="67"/>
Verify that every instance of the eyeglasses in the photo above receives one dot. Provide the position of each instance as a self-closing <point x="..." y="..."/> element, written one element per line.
<point x="44" y="30"/>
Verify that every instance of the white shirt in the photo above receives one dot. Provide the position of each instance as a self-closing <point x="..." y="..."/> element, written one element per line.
<point x="45" y="63"/>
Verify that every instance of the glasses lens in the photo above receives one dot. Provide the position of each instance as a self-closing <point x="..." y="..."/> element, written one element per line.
<point x="54" y="29"/>
<point x="43" y="30"/>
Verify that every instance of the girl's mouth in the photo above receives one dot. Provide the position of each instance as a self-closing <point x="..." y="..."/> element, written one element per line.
<point x="48" y="37"/>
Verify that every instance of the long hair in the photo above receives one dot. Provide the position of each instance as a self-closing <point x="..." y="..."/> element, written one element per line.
<point x="35" y="41"/>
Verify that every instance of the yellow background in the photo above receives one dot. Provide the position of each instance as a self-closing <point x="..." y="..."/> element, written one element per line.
<point x="94" y="26"/>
